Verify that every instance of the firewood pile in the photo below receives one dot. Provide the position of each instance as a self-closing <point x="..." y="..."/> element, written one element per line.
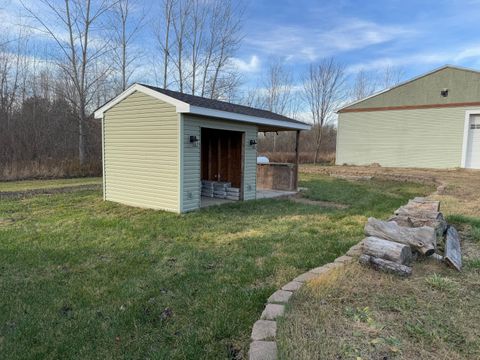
<point x="416" y="229"/>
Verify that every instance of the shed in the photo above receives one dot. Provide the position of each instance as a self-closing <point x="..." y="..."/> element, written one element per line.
<point x="431" y="121"/>
<point x="160" y="146"/>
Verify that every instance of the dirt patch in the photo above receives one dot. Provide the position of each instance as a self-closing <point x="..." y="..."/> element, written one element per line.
<point x="48" y="191"/>
<point x="458" y="189"/>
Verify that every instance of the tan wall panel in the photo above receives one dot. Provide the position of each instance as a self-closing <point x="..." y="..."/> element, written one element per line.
<point x="430" y="138"/>
<point x="142" y="153"/>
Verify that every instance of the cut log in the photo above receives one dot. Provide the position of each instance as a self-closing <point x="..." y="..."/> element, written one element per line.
<point x="439" y="223"/>
<point x="420" y="208"/>
<point x="453" y="254"/>
<point x="425" y="204"/>
<point x="388" y="250"/>
<point x="421" y="239"/>
<point x="386" y="265"/>
<point x="417" y="213"/>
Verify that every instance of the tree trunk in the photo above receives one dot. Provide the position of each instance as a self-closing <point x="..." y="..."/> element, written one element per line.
<point x="81" y="140"/>
<point x="387" y="250"/>
<point x="422" y="239"/>
<point x="386" y="265"/>
<point x="318" y="143"/>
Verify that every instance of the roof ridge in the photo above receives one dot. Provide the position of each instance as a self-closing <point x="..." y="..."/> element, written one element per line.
<point x="166" y="91"/>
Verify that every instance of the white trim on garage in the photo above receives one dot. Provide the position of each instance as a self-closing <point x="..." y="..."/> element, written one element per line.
<point x="466" y="129"/>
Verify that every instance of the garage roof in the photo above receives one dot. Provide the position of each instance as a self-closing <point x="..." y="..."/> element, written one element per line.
<point x="196" y="105"/>
<point x="377" y="94"/>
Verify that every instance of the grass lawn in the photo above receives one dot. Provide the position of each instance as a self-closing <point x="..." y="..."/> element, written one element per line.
<point x="358" y="313"/>
<point x="83" y="278"/>
<point x="26" y="185"/>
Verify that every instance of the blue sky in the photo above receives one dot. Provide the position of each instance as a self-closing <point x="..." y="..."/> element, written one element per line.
<point x="413" y="35"/>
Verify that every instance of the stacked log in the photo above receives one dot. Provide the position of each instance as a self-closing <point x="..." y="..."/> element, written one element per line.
<point x="388" y="250"/>
<point x="385" y="265"/>
<point x="391" y="245"/>
<point x="421" y="212"/>
<point x="421" y="239"/>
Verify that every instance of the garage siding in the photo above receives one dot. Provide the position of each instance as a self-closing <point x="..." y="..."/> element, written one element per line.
<point x="191" y="158"/>
<point x="463" y="86"/>
<point x="430" y="138"/>
<point x="141" y="153"/>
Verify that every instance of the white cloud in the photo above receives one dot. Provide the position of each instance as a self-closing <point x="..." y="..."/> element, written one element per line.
<point x="452" y="56"/>
<point x="304" y="43"/>
<point x="250" y="66"/>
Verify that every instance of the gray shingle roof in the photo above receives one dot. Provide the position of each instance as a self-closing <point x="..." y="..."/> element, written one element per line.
<point x="222" y="105"/>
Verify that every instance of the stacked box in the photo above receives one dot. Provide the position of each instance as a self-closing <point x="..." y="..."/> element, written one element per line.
<point x="220" y="189"/>
<point x="233" y="193"/>
<point x="207" y="188"/>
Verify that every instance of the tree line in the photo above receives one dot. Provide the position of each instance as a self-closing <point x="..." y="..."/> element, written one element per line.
<point x="68" y="57"/>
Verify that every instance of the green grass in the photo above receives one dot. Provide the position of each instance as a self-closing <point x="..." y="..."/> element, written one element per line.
<point x="472" y="222"/>
<point x="82" y="278"/>
<point x="25" y="185"/>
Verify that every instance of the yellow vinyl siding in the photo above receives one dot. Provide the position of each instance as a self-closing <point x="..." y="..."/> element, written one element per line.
<point x="430" y="138"/>
<point x="191" y="158"/>
<point x="141" y="153"/>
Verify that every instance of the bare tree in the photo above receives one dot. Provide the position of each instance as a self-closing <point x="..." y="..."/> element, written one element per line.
<point x="125" y="26"/>
<point x="226" y="25"/>
<point x="322" y="91"/>
<point x="367" y="83"/>
<point x="163" y="34"/>
<point x="276" y="93"/>
<point x="197" y="40"/>
<point x="180" y="23"/>
<point x="278" y="90"/>
<point x="390" y="76"/>
<point x="80" y="52"/>
<point x="364" y="84"/>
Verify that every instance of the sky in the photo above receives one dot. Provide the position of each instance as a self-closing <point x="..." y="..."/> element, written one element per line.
<point x="415" y="36"/>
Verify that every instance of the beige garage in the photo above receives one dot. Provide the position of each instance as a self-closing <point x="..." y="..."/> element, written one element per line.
<point x="161" y="148"/>
<point x="431" y="121"/>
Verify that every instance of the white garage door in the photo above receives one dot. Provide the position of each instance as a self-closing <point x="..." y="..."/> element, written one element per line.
<point x="473" y="148"/>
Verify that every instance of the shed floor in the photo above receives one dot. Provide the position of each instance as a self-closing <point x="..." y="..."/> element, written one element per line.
<point x="261" y="194"/>
<point x="269" y="194"/>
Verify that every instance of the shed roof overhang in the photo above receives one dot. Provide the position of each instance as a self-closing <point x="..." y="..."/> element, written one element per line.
<point x="264" y="123"/>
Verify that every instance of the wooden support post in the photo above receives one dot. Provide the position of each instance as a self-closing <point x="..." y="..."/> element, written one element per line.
<point x="297" y="155"/>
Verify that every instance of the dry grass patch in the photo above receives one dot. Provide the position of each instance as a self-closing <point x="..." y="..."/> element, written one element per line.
<point x="356" y="312"/>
